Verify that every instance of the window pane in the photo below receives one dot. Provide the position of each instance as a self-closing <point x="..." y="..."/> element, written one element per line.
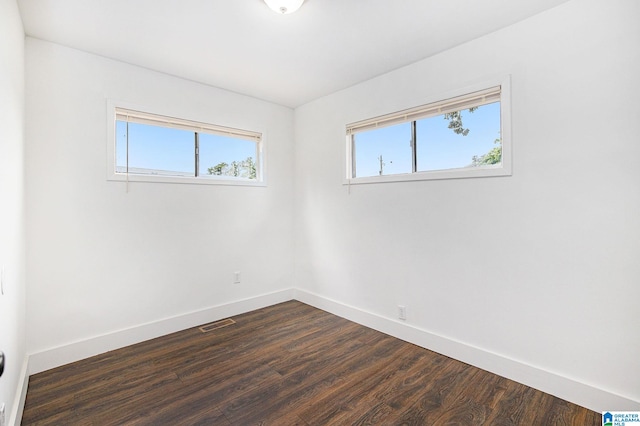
<point x="155" y="150"/>
<point x="384" y="151"/>
<point x="226" y="156"/>
<point x="471" y="139"/>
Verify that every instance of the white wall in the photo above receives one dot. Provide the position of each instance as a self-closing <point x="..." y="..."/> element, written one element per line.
<point x="102" y="260"/>
<point x="12" y="303"/>
<point x="541" y="267"/>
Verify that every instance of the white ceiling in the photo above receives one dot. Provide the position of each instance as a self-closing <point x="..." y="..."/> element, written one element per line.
<point x="242" y="46"/>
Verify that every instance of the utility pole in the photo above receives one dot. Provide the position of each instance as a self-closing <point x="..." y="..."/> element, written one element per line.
<point x="382" y="164"/>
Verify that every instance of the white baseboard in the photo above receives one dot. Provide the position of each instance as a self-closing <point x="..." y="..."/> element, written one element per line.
<point x="76" y="351"/>
<point x="568" y="389"/>
<point x="21" y="395"/>
<point x="579" y="393"/>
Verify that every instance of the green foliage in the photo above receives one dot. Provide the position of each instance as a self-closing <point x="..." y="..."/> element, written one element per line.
<point x="219" y="169"/>
<point x="494" y="156"/>
<point x="455" y="121"/>
<point x="243" y="169"/>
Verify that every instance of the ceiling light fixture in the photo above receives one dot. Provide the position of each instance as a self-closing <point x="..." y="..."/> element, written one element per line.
<point x="284" y="6"/>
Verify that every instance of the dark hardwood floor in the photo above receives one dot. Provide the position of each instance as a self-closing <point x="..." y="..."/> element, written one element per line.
<point x="289" y="364"/>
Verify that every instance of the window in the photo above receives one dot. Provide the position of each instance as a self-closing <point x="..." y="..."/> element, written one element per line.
<point x="157" y="148"/>
<point x="466" y="135"/>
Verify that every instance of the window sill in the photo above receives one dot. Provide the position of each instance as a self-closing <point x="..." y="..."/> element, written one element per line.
<point x="119" y="177"/>
<point x="433" y="175"/>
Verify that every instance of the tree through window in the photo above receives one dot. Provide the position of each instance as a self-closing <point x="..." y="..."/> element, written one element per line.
<point x="153" y="145"/>
<point x="455" y="137"/>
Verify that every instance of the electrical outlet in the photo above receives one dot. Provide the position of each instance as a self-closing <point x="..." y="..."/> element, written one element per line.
<point x="402" y="312"/>
<point x="236" y="277"/>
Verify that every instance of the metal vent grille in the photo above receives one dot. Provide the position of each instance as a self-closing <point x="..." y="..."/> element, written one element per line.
<point x="216" y="325"/>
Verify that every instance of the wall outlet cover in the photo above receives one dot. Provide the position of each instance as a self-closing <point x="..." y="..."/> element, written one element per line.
<point x="402" y="312"/>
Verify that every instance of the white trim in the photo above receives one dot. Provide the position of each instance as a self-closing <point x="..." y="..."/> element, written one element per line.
<point x="21" y="395"/>
<point x="503" y="169"/>
<point x="571" y="390"/>
<point x="82" y="349"/>
<point x="112" y="105"/>
<point x="208" y="180"/>
<point x="485" y="171"/>
<point x="546" y="381"/>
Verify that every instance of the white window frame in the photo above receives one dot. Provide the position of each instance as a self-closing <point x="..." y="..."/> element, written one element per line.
<point x="433" y="107"/>
<point x="115" y="108"/>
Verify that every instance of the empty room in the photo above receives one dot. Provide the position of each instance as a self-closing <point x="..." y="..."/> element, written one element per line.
<point x="319" y="212"/>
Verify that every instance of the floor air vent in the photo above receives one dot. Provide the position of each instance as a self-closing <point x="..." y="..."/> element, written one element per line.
<point x="216" y="325"/>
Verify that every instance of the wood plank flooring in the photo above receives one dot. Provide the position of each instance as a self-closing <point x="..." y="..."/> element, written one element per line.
<point x="288" y="364"/>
